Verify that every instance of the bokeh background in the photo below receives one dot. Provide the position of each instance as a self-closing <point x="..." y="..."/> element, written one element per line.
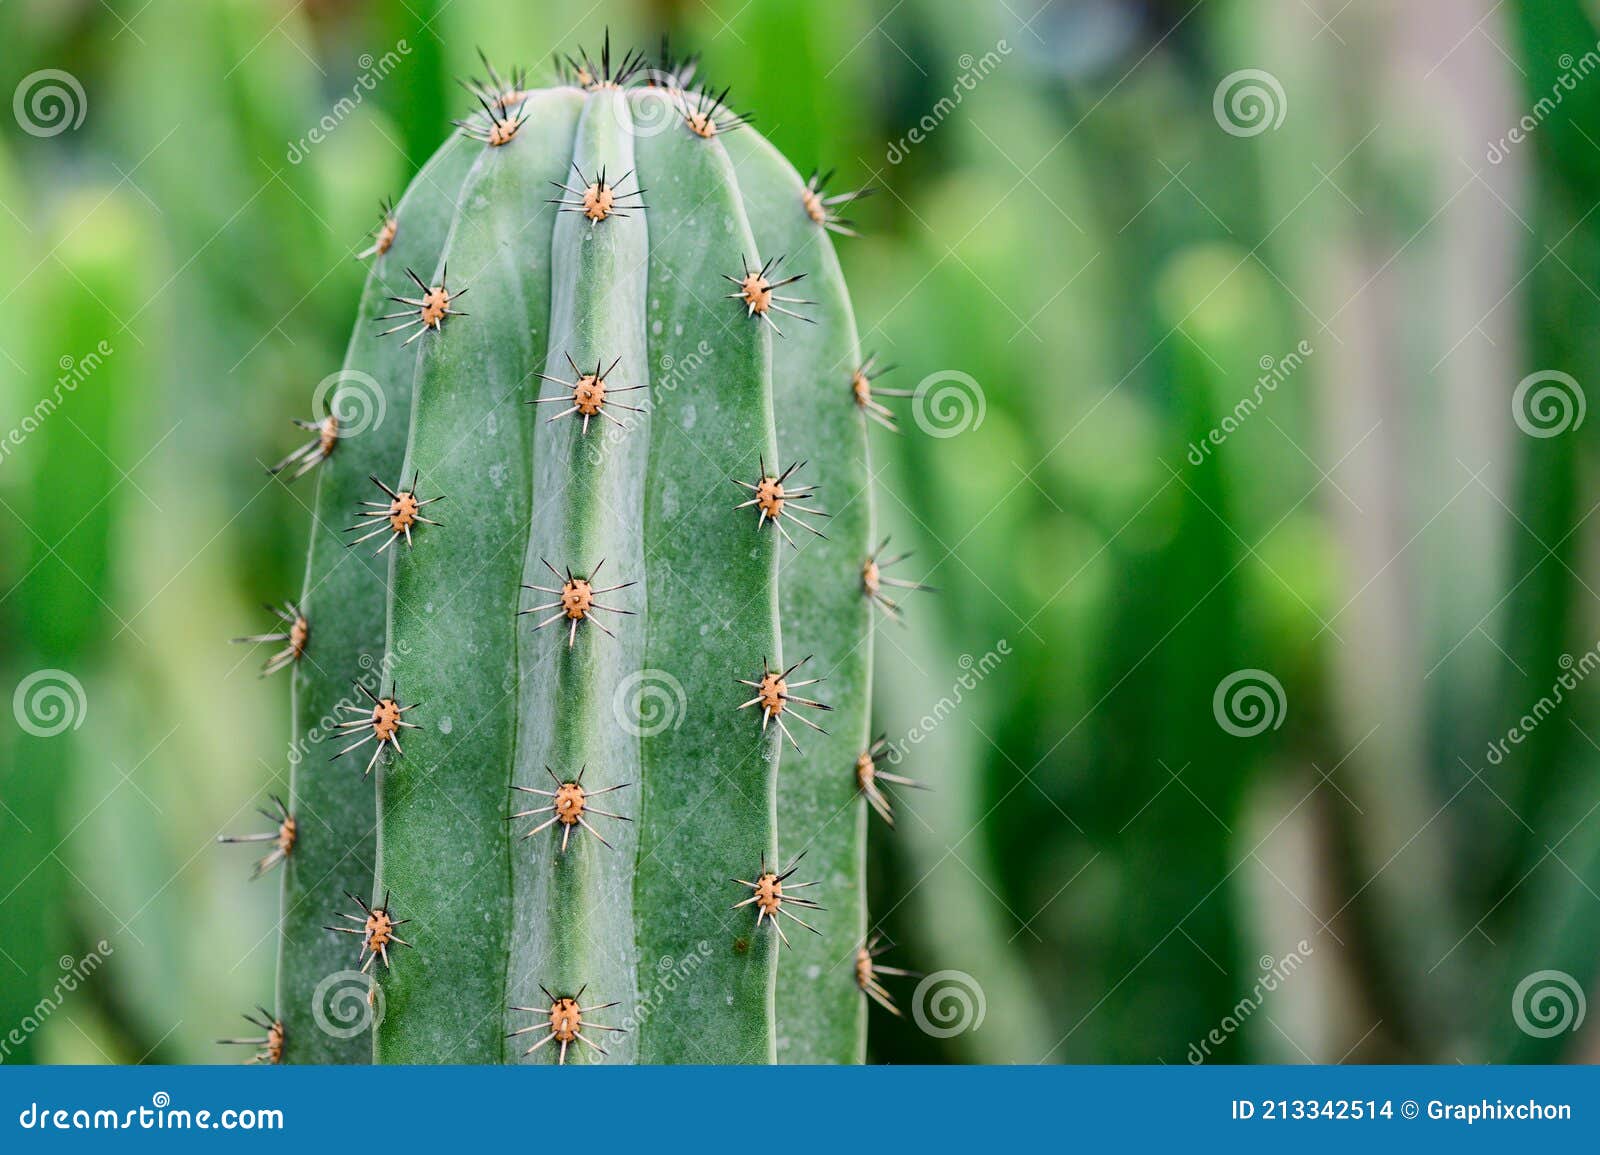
<point x="1253" y="696"/>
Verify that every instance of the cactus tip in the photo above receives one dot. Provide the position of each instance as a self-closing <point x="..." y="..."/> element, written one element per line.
<point x="593" y="75"/>
<point x="706" y="113"/>
<point x="502" y="117"/>
<point x="673" y="73"/>
<point x="497" y="93"/>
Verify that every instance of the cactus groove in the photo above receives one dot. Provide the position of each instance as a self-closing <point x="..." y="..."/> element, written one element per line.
<point x="613" y="493"/>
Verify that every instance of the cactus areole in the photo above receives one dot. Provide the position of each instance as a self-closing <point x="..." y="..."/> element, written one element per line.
<point x="595" y="408"/>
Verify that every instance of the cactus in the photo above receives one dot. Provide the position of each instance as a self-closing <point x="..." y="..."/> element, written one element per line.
<point x="599" y="646"/>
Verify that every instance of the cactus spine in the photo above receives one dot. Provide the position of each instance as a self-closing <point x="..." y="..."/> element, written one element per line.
<point x="558" y="635"/>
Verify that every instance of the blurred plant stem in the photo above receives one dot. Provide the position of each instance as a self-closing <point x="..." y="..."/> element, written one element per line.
<point x="63" y="492"/>
<point x="1553" y="777"/>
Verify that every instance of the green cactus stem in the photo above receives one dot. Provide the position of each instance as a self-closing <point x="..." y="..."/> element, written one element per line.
<point x="342" y="614"/>
<point x="617" y="724"/>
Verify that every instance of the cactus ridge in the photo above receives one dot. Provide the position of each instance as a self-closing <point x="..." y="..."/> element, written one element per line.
<point x="586" y="417"/>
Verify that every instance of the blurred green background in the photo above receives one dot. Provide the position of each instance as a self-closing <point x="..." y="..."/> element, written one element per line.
<point x="1231" y="387"/>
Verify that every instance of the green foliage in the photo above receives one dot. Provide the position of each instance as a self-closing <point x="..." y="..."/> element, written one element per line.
<point x="57" y="617"/>
<point x="1068" y="235"/>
